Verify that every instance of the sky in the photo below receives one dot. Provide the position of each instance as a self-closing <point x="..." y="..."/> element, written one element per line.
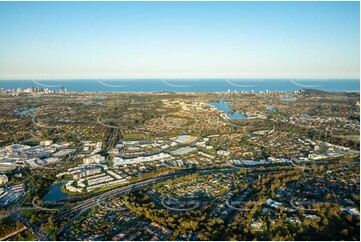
<point x="179" y="40"/>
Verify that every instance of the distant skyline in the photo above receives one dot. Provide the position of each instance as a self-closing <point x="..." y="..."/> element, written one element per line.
<point x="55" y="40"/>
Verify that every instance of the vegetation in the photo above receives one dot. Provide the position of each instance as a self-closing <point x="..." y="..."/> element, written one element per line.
<point x="8" y="225"/>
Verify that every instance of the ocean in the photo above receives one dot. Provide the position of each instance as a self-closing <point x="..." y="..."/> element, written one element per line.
<point x="186" y="85"/>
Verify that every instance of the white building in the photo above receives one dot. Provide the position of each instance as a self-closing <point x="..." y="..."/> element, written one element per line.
<point x="93" y="159"/>
<point x="3" y="179"/>
<point x="46" y="142"/>
<point x="223" y="152"/>
<point x="120" y="161"/>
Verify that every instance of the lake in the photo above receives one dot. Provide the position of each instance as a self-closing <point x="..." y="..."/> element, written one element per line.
<point x="224" y="107"/>
<point x="55" y="193"/>
<point x="25" y="112"/>
<point x="271" y="108"/>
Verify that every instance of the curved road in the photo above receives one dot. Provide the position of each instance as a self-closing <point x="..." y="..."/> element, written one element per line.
<point x="91" y="202"/>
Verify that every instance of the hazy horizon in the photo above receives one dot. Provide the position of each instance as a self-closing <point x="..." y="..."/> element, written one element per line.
<point x="179" y="79"/>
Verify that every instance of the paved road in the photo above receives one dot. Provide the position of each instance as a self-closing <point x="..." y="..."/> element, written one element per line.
<point x="15" y="209"/>
<point x="15" y="212"/>
<point x="86" y="204"/>
<point x="91" y="202"/>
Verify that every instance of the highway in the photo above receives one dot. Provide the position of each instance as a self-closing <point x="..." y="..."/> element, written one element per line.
<point x="91" y="202"/>
<point x="15" y="212"/>
<point x="82" y="206"/>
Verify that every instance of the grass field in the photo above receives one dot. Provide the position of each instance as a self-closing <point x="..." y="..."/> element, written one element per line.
<point x="132" y="137"/>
